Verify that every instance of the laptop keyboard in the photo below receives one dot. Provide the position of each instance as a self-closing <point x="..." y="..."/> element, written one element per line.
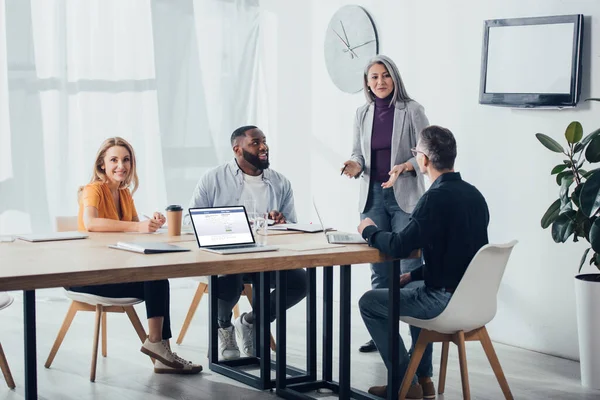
<point x="234" y="246"/>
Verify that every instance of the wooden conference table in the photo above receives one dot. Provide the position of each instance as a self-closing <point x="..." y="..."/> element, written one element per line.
<point x="29" y="266"/>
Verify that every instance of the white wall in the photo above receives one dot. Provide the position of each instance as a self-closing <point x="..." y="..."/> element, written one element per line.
<point x="437" y="46"/>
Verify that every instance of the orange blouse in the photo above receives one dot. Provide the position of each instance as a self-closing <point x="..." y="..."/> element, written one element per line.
<point x="98" y="195"/>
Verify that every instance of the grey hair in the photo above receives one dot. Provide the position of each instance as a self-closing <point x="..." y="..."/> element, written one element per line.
<point x="399" y="93"/>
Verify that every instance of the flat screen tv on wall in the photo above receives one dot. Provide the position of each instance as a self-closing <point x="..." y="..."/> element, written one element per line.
<point x="532" y="62"/>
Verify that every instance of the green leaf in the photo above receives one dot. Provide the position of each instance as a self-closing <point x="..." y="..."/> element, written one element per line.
<point x="558" y="168"/>
<point x="592" y="152"/>
<point x="582" y="225"/>
<point x="585" y="253"/>
<point x="574" y="132"/>
<point x="587" y="139"/>
<point x="564" y="192"/>
<point x="595" y="235"/>
<point x="549" y="143"/>
<point x="551" y="214"/>
<point x="563" y="227"/>
<point x="587" y="174"/>
<point x="590" y="195"/>
<point x="565" y="174"/>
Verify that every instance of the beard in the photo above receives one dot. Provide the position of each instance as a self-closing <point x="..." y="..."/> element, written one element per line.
<point x="255" y="160"/>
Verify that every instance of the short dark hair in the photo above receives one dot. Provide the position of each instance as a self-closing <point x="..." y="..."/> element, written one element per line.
<point x="439" y="146"/>
<point x="241" y="131"/>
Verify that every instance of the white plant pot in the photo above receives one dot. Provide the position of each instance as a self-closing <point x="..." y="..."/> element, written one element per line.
<point x="587" y="296"/>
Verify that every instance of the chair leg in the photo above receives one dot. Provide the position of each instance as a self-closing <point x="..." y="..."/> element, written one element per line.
<point x="462" y="357"/>
<point x="202" y="288"/>
<point x="137" y="325"/>
<point x="6" y="370"/>
<point x="62" y="332"/>
<point x="443" y="367"/>
<point x="96" y="338"/>
<point x="104" y="344"/>
<point x="249" y="295"/>
<point x="488" y="347"/>
<point x="236" y="311"/>
<point x="135" y="321"/>
<point x="415" y="359"/>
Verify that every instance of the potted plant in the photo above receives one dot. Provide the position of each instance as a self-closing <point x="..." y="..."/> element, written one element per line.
<point x="575" y="214"/>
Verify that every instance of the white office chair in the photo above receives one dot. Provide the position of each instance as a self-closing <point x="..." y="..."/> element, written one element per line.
<point x="471" y="307"/>
<point x="98" y="304"/>
<point x="5" y="301"/>
<point x="200" y="291"/>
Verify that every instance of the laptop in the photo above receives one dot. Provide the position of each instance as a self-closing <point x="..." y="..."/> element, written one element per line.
<point x="52" y="236"/>
<point x="225" y="230"/>
<point x="338" y="237"/>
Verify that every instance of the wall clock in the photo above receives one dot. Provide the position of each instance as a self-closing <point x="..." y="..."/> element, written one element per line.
<point x="350" y="41"/>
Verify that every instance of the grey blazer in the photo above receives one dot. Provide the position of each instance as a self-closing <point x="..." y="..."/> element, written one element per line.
<point x="409" y="121"/>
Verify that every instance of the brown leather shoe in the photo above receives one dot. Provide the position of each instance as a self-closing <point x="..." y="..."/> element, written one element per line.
<point x="415" y="392"/>
<point x="379" y="391"/>
<point x="428" y="390"/>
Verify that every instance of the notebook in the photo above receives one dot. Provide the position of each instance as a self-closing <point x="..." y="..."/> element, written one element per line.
<point x="52" y="236"/>
<point x="147" y="247"/>
<point x="224" y="230"/>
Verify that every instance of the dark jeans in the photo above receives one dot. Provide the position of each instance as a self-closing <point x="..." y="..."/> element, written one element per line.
<point x="231" y="287"/>
<point x="383" y="209"/>
<point x="154" y="293"/>
<point x="416" y="301"/>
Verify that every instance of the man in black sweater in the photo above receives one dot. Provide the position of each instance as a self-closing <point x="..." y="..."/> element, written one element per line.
<point x="449" y="224"/>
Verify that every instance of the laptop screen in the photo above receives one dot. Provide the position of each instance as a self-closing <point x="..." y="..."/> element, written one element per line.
<point x="221" y="226"/>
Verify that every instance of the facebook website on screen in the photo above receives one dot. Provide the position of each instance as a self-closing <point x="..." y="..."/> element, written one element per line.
<point x="221" y="226"/>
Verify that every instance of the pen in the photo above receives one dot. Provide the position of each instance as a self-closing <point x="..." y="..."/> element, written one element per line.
<point x="343" y="169"/>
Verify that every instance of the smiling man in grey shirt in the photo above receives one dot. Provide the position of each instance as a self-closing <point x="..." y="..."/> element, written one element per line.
<point x="248" y="178"/>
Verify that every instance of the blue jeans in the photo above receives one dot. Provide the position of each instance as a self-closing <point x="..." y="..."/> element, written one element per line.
<point x="417" y="301"/>
<point x="383" y="209"/>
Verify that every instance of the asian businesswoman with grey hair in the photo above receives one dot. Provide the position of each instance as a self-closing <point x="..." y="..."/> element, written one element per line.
<point x="386" y="128"/>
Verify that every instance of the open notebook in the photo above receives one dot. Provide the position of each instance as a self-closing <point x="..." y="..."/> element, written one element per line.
<point x="147" y="247"/>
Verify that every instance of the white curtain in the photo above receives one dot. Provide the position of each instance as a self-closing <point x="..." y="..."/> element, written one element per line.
<point x="172" y="77"/>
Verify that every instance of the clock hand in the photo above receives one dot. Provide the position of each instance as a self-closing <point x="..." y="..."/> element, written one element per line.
<point x="360" y="45"/>
<point x="353" y="54"/>
<point x="342" y="39"/>
<point x="344" y="30"/>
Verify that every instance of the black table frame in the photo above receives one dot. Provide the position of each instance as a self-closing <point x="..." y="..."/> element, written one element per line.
<point x="288" y="389"/>
<point x="260" y="305"/>
<point x="300" y="381"/>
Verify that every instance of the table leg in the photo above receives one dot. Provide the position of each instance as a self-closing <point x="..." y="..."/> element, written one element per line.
<point x="394" y="330"/>
<point x="30" y="344"/>
<point x="280" y="369"/>
<point x="345" y="314"/>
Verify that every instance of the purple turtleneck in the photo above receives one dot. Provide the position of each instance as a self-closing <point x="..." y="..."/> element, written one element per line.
<point x="381" y="139"/>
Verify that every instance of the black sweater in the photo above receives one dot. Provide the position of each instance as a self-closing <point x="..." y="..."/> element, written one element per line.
<point x="449" y="223"/>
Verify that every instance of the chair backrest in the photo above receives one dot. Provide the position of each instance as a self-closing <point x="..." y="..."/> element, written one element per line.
<point x="5" y="300"/>
<point x="473" y="303"/>
<point x="66" y="224"/>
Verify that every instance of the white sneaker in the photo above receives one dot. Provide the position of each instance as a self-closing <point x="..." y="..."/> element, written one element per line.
<point x="228" y="348"/>
<point x="245" y="332"/>
<point x="166" y="361"/>
<point x="189" y="368"/>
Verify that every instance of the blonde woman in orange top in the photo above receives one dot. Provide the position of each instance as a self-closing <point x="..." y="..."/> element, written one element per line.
<point x="106" y="205"/>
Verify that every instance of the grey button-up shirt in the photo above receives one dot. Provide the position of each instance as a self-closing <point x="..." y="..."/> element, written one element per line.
<point x="223" y="186"/>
